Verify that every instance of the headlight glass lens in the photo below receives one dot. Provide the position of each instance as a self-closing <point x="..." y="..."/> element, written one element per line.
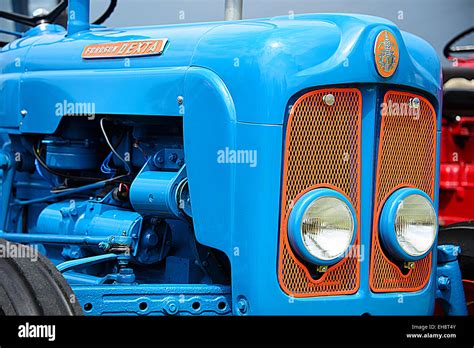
<point x="415" y="225"/>
<point x="327" y="228"/>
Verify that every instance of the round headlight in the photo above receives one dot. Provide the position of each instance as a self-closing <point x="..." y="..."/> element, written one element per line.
<point x="408" y="225"/>
<point x="322" y="226"/>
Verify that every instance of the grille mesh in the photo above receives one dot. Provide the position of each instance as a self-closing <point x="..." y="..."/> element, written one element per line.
<point x="322" y="150"/>
<point x="406" y="158"/>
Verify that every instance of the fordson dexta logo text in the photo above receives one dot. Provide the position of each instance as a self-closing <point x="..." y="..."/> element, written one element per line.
<point x="137" y="48"/>
<point x="386" y="53"/>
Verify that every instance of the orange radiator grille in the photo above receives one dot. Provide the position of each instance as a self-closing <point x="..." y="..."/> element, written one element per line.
<point x="322" y="150"/>
<point x="406" y="158"/>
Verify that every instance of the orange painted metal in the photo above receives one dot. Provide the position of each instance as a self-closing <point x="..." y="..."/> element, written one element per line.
<point x="386" y="53"/>
<point x="406" y="158"/>
<point x="323" y="149"/>
<point x="123" y="49"/>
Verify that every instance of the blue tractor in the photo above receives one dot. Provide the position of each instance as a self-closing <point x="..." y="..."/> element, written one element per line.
<point x="282" y="166"/>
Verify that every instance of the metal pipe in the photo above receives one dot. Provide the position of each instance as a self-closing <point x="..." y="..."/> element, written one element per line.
<point x="89" y="261"/>
<point x="67" y="192"/>
<point x="8" y="174"/>
<point x="51" y="239"/>
<point x="233" y="10"/>
<point x="78" y="16"/>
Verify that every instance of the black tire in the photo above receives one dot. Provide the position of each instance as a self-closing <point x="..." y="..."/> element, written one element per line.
<point x="33" y="285"/>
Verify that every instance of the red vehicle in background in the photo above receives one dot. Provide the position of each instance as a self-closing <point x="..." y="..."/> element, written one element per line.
<point x="457" y="155"/>
<point x="456" y="200"/>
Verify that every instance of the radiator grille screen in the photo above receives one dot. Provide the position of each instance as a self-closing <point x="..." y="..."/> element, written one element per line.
<point x="322" y="149"/>
<point x="406" y="158"/>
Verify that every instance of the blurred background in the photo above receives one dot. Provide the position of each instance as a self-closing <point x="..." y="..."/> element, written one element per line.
<point x="437" y="21"/>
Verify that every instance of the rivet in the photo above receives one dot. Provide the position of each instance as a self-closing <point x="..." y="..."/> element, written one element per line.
<point x="180" y="100"/>
<point x="23" y="112"/>
<point x="329" y="99"/>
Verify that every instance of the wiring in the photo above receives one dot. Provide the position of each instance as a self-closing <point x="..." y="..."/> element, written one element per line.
<point x="129" y="171"/>
<point x="105" y="165"/>
<point x="65" y="192"/>
<point x="44" y="176"/>
<point x="72" y="189"/>
<point x="105" y="168"/>
<point x="97" y="180"/>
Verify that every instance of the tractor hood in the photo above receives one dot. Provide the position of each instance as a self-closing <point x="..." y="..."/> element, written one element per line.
<point x="262" y="64"/>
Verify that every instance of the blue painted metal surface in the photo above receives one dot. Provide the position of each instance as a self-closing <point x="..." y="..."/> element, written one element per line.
<point x="155" y="192"/>
<point x="449" y="281"/>
<point x="226" y="86"/>
<point x="155" y="299"/>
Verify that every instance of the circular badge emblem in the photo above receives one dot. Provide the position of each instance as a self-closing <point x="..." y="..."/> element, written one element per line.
<point x="386" y="53"/>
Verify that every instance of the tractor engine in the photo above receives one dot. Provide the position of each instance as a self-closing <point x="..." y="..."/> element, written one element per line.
<point x="112" y="203"/>
<point x="125" y="194"/>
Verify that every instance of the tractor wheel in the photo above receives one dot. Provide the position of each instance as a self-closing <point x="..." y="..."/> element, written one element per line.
<point x="32" y="285"/>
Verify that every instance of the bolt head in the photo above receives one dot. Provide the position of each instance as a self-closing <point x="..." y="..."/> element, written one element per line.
<point x="415" y="103"/>
<point x="180" y="100"/>
<point x="329" y="99"/>
<point x="242" y="306"/>
<point x="23" y="112"/>
<point x="444" y="283"/>
<point x="171" y="306"/>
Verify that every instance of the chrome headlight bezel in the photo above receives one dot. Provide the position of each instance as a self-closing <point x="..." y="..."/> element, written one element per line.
<point x="295" y="230"/>
<point x="388" y="227"/>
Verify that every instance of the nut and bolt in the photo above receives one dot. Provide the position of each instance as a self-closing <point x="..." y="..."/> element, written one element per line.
<point x="171" y="306"/>
<point x="444" y="283"/>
